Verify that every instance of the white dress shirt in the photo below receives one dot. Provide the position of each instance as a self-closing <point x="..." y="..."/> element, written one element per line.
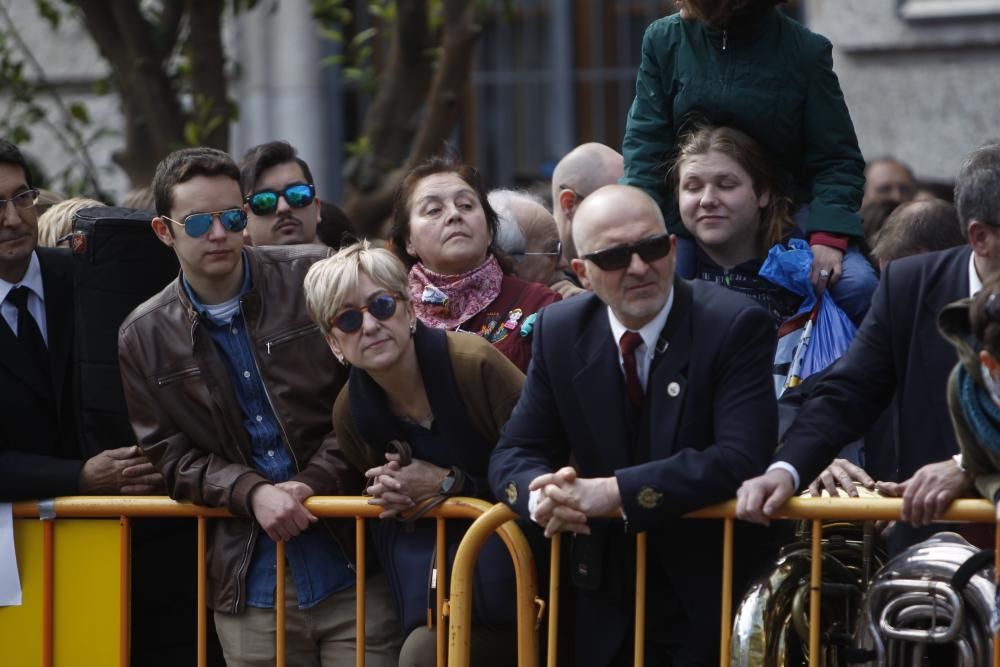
<point x="650" y="334"/>
<point x="36" y="299"/>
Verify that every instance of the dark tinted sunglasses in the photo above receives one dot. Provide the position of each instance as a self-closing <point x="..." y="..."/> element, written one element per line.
<point x="265" y="202"/>
<point x="381" y="307"/>
<point x="197" y="224"/>
<point x="619" y="257"/>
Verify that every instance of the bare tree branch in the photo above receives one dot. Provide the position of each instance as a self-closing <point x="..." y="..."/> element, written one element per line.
<point x="462" y="33"/>
<point x="168" y="26"/>
<point x="149" y="101"/>
<point x="208" y="62"/>
<point x="369" y="210"/>
<point x="390" y="122"/>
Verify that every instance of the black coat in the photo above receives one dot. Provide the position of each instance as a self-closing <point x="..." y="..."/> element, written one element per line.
<point x="39" y="452"/>
<point x="713" y="424"/>
<point x="898" y="354"/>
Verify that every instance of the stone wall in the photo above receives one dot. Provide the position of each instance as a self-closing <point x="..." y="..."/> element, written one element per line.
<point x="926" y="91"/>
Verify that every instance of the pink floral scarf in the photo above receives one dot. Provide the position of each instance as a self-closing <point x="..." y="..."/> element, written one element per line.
<point x="445" y="302"/>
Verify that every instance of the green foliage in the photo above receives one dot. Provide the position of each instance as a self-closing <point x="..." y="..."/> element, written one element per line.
<point x="333" y="19"/>
<point x="33" y="106"/>
<point x="360" y="148"/>
<point x="204" y="120"/>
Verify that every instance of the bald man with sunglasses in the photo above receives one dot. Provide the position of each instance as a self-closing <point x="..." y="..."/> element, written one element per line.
<point x="230" y="389"/>
<point x="659" y="391"/>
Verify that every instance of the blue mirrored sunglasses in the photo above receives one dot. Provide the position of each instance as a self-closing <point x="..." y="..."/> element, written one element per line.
<point x="381" y="307"/>
<point x="265" y="202"/>
<point x="197" y="224"/>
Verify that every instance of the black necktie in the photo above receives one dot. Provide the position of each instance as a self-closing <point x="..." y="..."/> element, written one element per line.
<point x="28" y="332"/>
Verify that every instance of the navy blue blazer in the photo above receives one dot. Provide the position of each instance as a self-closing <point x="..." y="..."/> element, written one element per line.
<point x="713" y="414"/>
<point x="897" y="354"/>
<point x="39" y="451"/>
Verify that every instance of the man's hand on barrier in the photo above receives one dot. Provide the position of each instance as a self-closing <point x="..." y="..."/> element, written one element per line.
<point x="280" y="515"/>
<point x="928" y="493"/>
<point x="300" y="491"/>
<point x="121" y="470"/>
<point x="142" y="478"/>
<point x="844" y="474"/>
<point x="567" y="500"/>
<point x="759" y="498"/>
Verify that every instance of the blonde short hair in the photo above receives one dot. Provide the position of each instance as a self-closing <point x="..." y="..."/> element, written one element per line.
<point x="330" y="280"/>
<point x="57" y="221"/>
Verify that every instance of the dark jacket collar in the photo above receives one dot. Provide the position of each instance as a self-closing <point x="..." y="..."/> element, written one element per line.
<point x="369" y="404"/>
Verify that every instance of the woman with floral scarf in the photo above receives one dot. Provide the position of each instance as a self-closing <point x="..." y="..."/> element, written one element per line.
<point x="443" y="229"/>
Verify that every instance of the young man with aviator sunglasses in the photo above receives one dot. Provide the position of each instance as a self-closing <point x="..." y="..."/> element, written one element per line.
<point x="281" y="202"/>
<point x="230" y="389"/>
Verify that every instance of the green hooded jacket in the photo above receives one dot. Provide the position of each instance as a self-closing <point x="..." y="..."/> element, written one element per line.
<point x="769" y="77"/>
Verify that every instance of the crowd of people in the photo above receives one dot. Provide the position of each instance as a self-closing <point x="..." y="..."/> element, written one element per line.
<point x="600" y="359"/>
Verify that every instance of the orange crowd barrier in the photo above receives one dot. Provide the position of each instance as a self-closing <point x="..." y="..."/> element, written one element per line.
<point x="454" y="606"/>
<point x="815" y="510"/>
<point x="126" y="508"/>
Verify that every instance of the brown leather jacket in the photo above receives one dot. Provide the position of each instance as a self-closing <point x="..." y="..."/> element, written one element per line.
<point x="187" y="419"/>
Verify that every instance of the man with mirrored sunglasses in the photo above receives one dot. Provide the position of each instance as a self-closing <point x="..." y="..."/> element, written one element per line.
<point x="230" y="389"/>
<point x="648" y="398"/>
<point x="281" y="201"/>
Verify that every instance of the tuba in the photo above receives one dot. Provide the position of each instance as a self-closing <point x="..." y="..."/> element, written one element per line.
<point x="932" y="604"/>
<point x="771" y="626"/>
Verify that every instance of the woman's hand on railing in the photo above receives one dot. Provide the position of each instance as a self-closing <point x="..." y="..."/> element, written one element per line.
<point x="399" y="488"/>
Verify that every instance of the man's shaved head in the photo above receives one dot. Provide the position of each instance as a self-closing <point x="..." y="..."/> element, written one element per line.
<point x="581" y="172"/>
<point x="620" y="216"/>
<point x="609" y="203"/>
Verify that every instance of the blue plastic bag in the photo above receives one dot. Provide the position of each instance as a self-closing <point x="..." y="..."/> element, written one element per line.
<point x="825" y="334"/>
<point x="831" y="337"/>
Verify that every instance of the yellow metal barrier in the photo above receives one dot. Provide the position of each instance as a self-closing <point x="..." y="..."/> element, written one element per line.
<point x="814" y="509"/>
<point x="124" y="508"/>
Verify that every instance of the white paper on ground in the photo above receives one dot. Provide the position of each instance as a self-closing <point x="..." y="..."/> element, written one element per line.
<point x="10" y="583"/>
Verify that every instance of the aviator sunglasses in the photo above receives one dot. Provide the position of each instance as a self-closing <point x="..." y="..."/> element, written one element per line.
<point x="381" y="307"/>
<point x="197" y="224"/>
<point x="619" y="257"/>
<point x="265" y="202"/>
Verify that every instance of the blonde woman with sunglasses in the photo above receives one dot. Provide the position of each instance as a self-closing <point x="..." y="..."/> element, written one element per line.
<point x="420" y="415"/>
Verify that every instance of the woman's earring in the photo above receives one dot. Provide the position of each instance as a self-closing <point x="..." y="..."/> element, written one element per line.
<point x="340" y="358"/>
<point x="413" y="327"/>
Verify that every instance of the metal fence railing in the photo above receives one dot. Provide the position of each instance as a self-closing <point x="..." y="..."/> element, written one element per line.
<point x="454" y="604"/>
<point x="356" y="508"/>
<point x="815" y="510"/>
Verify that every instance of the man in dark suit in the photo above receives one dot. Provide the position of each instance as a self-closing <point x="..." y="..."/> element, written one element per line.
<point x="660" y="392"/>
<point x="897" y="354"/>
<point x="39" y="451"/>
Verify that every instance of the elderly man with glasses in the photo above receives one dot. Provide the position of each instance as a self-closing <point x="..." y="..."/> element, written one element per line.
<point x="527" y="232"/>
<point x="40" y="452"/>
<point x="649" y="398"/>
<point x="230" y="389"/>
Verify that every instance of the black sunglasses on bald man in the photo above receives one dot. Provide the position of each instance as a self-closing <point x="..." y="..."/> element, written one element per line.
<point x="619" y="257"/>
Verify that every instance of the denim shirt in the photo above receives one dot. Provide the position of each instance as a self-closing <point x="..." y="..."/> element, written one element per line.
<point x="318" y="563"/>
